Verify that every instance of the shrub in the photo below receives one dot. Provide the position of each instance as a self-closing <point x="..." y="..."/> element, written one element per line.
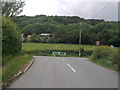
<point x="34" y="38"/>
<point x="85" y="52"/>
<point x="116" y="56"/>
<point x="102" y="53"/>
<point x="49" y="52"/>
<point x="108" y="57"/>
<point x="11" y="38"/>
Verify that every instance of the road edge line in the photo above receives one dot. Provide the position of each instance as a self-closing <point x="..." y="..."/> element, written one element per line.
<point x="29" y="65"/>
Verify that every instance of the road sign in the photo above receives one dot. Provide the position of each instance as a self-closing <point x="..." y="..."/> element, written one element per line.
<point x="59" y="53"/>
<point x="97" y="43"/>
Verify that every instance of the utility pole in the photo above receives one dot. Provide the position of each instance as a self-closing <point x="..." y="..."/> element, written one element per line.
<point x="80" y="41"/>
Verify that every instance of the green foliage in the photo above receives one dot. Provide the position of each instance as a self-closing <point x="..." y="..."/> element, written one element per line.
<point x="107" y="63"/>
<point x="114" y="41"/>
<point x="38" y="28"/>
<point x="65" y="29"/>
<point x="12" y="8"/>
<point x="47" y="49"/>
<point x="16" y="63"/>
<point x="34" y="38"/>
<point x="107" y="56"/>
<point x="11" y="38"/>
<point x="85" y="52"/>
<point x="116" y="57"/>
<point x="102" y="52"/>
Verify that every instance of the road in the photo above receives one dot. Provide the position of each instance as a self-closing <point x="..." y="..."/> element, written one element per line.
<point x="66" y="72"/>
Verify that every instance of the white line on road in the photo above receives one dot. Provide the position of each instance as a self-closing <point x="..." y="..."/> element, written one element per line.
<point x="71" y="67"/>
<point x="63" y="59"/>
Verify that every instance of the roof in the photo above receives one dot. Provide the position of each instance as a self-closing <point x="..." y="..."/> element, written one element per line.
<point x="45" y="34"/>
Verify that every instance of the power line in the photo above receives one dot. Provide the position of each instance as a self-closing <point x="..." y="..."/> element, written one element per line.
<point x="102" y="9"/>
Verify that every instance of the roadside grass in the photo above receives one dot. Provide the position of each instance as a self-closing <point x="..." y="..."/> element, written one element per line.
<point x="107" y="57"/>
<point x="106" y="63"/>
<point x="14" y="65"/>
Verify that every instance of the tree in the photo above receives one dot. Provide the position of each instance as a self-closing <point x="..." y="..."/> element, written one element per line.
<point x="11" y="38"/>
<point x="104" y="31"/>
<point x="85" y="35"/>
<point x="35" y="38"/>
<point x="12" y="7"/>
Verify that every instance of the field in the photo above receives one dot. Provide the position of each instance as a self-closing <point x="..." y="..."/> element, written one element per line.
<point x="42" y="46"/>
<point x="45" y="49"/>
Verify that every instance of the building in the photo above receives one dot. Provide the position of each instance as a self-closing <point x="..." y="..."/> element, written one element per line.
<point x="45" y="35"/>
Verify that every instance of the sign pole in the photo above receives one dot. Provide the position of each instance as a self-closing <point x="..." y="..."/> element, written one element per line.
<point x="80" y="41"/>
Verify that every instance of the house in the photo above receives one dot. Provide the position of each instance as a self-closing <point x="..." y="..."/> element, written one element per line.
<point x="29" y="36"/>
<point x="22" y="37"/>
<point x="45" y="35"/>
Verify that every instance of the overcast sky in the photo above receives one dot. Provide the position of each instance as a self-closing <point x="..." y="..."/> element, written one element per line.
<point x="97" y="9"/>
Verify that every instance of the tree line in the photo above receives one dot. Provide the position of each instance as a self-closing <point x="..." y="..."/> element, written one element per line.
<point x="66" y="29"/>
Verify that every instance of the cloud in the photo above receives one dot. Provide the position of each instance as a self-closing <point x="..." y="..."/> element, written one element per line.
<point x="85" y="9"/>
<point x="102" y="10"/>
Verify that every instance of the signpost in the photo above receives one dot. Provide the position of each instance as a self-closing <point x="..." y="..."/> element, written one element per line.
<point x="97" y="43"/>
<point x="59" y="53"/>
<point x="80" y="41"/>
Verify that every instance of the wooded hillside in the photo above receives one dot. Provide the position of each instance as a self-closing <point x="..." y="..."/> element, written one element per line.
<point x="65" y="29"/>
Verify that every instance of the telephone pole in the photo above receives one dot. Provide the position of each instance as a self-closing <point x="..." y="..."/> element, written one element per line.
<point x="80" y="41"/>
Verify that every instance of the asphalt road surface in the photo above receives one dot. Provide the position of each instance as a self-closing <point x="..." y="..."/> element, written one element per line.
<point x="66" y="72"/>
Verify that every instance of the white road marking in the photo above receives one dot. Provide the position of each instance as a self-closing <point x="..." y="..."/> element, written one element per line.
<point x="71" y="67"/>
<point x="63" y="59"/>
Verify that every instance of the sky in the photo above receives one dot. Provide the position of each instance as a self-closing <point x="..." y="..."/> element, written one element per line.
<point x="89" y="9"/>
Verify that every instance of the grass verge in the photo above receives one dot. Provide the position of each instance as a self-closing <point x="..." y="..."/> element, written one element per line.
<point x="14" y="65"/>
<point x="106" y="63"/>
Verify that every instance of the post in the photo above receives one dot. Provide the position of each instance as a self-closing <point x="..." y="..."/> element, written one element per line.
<point x="80" y="41"/>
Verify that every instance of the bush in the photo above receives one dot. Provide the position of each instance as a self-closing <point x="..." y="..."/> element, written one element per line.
<point x="85" y="52"/>
<point x="108" y="57"/>
<point x="11" y="38"/>
<point x="34" y="38"/>
<point x="102" y="53"/>
<point x="49" y="52"/>
<point x="116" y="56"/>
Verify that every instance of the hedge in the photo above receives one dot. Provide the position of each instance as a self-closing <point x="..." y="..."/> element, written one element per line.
<point x="109" y="55"/>
<point x="68" y="52"/>
<point x="11" y="38"/>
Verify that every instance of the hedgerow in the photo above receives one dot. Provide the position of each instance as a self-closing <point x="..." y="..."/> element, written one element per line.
<point x="108" y="56"/>
<point x="11" y="38"/>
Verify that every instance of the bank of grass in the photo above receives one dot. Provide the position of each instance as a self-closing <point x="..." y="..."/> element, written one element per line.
<point x="107" y="64"/>
<point x="107" y="57"/>
<point x="14" y="65"/>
